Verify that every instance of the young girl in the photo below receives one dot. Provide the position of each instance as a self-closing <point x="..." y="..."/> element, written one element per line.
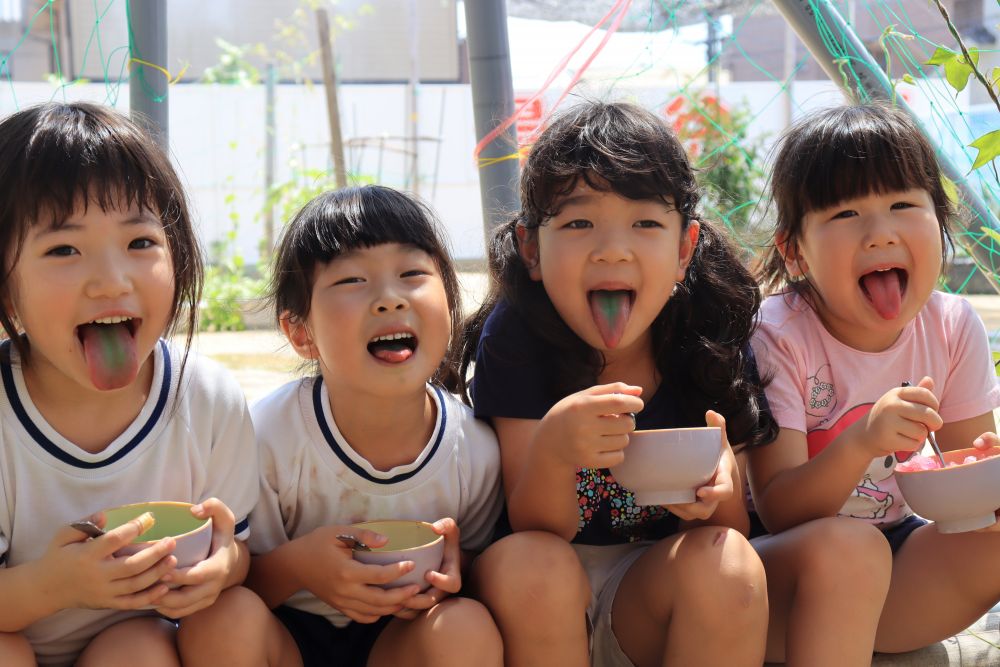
<point x="364" y="287"/>
<point x="100" y="262"/>
<point x="615" y="307"/>
<point x="858" y="249"/>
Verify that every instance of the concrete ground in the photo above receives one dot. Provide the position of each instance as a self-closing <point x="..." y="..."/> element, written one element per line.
<point x="262" y="361"/>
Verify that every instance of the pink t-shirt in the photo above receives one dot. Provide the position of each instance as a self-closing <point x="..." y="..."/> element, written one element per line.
<point x="821" y="386"/>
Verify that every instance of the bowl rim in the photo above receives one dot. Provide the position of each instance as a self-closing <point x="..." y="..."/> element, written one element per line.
<point x="676" y="430"/>
<point x="364" y="524"/>
<point x="995" y="455"/>
<point x="206" y="521"/>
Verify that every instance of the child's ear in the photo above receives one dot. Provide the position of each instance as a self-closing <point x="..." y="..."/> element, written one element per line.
<point x="527" y="245"/>
<point x="795" y="263"/>
<point x="689" y="241"/>
<point x="298" y="335"/>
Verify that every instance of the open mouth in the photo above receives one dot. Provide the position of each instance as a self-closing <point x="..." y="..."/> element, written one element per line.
<point x="394" y="348"/>
<point x="611" y="310"/>
<point x="884" y="289"/>
<point x="109" y="349"/>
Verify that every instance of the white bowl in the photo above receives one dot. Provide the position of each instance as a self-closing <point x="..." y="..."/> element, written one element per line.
<point x="666" y="466"/>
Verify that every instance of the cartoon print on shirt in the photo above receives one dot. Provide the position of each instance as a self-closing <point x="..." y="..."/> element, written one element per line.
<point x="877" y="500"/>
<point x="822" y="394"/>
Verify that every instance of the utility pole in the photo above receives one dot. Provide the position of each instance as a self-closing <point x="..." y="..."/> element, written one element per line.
<point x="270" y="149"/>
<point x="492" y="103"/>
<point x="332" y="106"/>
<point x="413" y="99"/>
<point x="147" y="34"/>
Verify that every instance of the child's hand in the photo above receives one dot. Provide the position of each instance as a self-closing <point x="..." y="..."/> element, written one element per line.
<point x="444" y="583"/>
<point x="328" y="570"/>
<point x="900" y="420"/>
<point x="986" y="440"/>
<point x="201" y="583"/>
<point x="719" y="488"/>
<point x="589" y="429"/>
<point x="81" y="572"/>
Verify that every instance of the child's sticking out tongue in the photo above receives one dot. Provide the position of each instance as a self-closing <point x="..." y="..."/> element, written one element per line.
<point x="884" y="291"/>
<point x="610" y="310"/>
<point x="110" y="353"/>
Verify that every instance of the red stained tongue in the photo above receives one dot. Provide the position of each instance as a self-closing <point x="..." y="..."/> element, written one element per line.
<point x="610" y="310"/>
<point x="110" y="353"/>
<point x="885" y="292"/>
<point x="393" y="354"/>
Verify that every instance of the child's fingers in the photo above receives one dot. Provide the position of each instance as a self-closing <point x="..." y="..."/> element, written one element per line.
<point x="614" y="405"/>
<point x="145" y="578"/>
<point x="921" y="396"/>
<point x="450" y="583"/>
<point x="115" y="539"/>
<point x="614" y="388"/>
<point x="223" y="520"/>
<point x="367" y="537"/>
<point x="986" y="440"/>
<point x="141" y="600"/>
<point x="68" y="535"/>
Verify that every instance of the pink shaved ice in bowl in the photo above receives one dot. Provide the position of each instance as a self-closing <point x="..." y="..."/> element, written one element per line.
<point x="962" y="496"/>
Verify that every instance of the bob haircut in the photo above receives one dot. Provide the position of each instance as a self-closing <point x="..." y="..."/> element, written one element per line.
<point x="56" y="157"/>
<point x="343" y="220"/>
<point x="844" y="153"/>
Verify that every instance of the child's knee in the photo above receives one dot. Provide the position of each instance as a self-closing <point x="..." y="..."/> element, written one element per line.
<point x="469" y="624"/>
<point x="237" y="611"/>
<point x="718" y="570"/>
<point x="531" y="571"/>
<point x="15" y="650"/>
<point x="841" y="552"/>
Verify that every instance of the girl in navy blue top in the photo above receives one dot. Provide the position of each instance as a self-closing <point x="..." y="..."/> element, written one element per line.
<point x="611" y="296"/>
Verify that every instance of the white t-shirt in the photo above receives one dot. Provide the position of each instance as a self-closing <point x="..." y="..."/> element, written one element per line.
<point x="311" y="477"/>
<point x="186" y="445"/>
<point x="821" y="386"/>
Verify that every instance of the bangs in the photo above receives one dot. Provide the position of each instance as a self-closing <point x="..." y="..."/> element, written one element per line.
<point x="854" y="154"/>
<point x="72" y="159"/>
<point x="614" y="147"/>
<point x="343" y="221"/>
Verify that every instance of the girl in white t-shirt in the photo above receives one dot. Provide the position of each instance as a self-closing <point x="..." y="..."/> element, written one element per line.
<point x="858" y="249"/>
<point x="96" y="410"/>
<point x="364" y="287"/>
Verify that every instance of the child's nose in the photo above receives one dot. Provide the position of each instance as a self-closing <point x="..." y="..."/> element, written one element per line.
<point x="389" y="300"/>
<point x="612" y="248"/>
<point x="108" y="279"/>
<point x="881" y="231"/>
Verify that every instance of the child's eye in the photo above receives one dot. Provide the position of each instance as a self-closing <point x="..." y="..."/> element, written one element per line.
<point x="141" y="244"/>
<point x="578" y="224"/>
<point x="901" y="205"/>
<point x="61" y="251"/>
<point x="351" y="280"/>
<point x="843" y="214"/>
<point x="414" y="273"/>
<point x="647" y="224"/>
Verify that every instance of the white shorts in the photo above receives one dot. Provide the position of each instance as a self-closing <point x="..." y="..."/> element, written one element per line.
<point x="605" y="567"/>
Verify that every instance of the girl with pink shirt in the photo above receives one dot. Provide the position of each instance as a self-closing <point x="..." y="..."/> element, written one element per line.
<point x="856" y="254"/>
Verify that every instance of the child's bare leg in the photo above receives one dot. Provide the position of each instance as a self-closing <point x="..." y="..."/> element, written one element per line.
<point x="150" y="637"/>
<point x="940" y="585"/>
<point x="15" y="650"/>
<point x="536" y="589"/>
<point x="826" y="584"/>
<point x="238" y="629"/>
<point x="455" y="633"/>
<point x="697" y="598"/>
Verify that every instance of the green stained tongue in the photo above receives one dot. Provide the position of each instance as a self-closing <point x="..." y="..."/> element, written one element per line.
<point x="110" y="353"/>
<point x="610" y="310"/>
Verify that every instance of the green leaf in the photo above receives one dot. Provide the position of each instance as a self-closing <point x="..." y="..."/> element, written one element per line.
<point x="992" y="233"/>
<point x="988" y="146"/>
<point x="941" y="56"/>
<point x="950" y="189"/>
<point x="909" y="79"/>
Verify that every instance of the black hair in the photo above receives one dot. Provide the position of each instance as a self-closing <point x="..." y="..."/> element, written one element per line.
<point x="842" y="153"/>
<point x="56" y="157"/>
<point x="702" y="335"/>
<point x="343" y="220"/>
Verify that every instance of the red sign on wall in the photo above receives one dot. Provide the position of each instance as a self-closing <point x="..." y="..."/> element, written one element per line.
<point x="530" y="118"/>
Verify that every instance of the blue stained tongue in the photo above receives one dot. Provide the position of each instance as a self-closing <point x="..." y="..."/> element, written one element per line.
<point x="110" y="353"/>
<point x="611" y="310"/>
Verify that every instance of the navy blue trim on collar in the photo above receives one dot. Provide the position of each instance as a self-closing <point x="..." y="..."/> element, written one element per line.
<point x="346" y="460"/>
<point x="22" y="415"/>
<point x="241" y="526"/>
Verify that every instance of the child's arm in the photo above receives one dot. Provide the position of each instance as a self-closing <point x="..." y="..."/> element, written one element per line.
<point x="323" y="565"/>
<point x="789" y="488"/>
<point x="965" y="433"/>
<point x="539" y="459"/>
<point x="75" y="572"/>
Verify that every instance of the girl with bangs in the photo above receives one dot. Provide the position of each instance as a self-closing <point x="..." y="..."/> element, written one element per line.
<point x="856" y="254"/>
<point x="614" y="306"/>
<point x="97" y="410"/>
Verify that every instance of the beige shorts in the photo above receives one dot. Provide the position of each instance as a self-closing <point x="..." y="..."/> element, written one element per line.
<point x="605" y="567"/>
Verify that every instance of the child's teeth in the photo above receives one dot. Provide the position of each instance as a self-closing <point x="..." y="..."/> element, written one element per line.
<point x="117" y="319"/>
<point x="395" y="336"/>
